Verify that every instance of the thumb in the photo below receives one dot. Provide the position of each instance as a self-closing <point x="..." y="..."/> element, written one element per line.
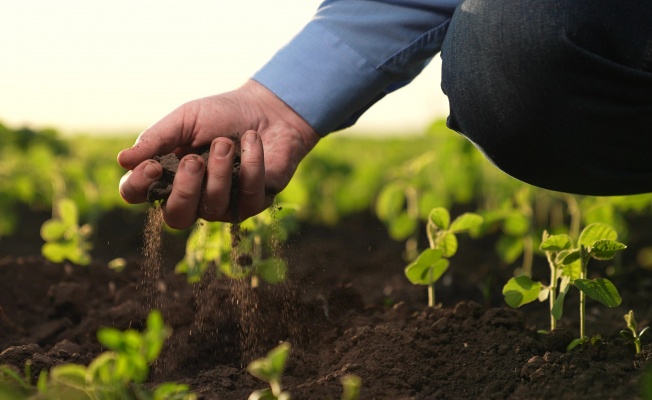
<point x="168" y="134"/>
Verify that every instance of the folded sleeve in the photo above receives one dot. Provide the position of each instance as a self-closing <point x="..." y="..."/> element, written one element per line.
<point x="351" y="54"/>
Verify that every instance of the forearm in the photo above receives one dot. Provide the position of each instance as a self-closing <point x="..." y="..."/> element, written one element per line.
<point x="351" y="54"/>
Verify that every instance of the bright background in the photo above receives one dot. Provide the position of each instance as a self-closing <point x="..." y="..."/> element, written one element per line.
<point x="117" y="66"/>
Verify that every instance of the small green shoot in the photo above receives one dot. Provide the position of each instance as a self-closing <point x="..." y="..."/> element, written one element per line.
<point x="632" y="335"/>
<point x="65" y="238"/>
<point x="433" y="262"/>
<point x="270" y="369"/>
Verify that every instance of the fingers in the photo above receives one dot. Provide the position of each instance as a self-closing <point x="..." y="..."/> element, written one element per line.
<point x="251" y="194"/>
<point x="215" y="203"/>
<point x="134" y="184"/>
<point x="180" y="210"/>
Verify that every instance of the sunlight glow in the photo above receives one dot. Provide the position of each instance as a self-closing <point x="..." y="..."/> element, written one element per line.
<point x="118" y="66"/>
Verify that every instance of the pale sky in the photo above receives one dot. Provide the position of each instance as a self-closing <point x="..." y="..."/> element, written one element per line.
<point x="120" y="65"/>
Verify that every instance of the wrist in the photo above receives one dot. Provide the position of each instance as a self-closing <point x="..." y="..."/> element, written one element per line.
<point x="274" y="114"/>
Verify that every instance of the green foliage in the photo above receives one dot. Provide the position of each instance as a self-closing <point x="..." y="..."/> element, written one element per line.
<point x="116" y="374"/>
<point x="568" y="264"/>
<point x="65" y="238"/>
<point x="270" y="369"/>
<point x="632" y="334"/>
<point x="210" y="244"/>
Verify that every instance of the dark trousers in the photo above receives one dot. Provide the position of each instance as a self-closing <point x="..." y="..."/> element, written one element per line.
<point x="556" y="93"/>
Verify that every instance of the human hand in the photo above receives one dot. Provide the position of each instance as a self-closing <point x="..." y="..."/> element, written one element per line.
<point x="273" y="139"/>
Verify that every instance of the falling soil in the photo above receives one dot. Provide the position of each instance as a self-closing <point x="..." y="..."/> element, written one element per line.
<point x="152" y="261"/>
<point x="242" y="295"/>
<point x="346" y="309"/>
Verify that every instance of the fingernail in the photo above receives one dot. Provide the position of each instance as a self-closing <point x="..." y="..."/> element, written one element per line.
<point x="192" y="166"/>
<point x="150" y="171"/>
<point x="251" y="137"/>
<point x="221" y="149"/>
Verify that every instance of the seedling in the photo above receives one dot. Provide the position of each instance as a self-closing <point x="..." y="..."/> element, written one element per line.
<point x="270" y="369"/>
<point x="433" y="262"/>
<point x="521" y="290"/>
<point x="568" y="267"/>
<point x="116" y="374"/>
<point x="65" y="238"/>
<point x="633" y="335"/>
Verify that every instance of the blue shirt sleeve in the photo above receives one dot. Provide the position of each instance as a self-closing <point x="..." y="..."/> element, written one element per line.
<point x="351" y="54"/>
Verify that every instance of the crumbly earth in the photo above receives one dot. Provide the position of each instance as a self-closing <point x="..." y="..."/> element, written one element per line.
<point x="347" y="309"/>
<point x="161" y="189"/>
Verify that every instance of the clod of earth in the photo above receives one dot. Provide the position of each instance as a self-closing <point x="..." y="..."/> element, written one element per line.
<point x="161" y="189"/>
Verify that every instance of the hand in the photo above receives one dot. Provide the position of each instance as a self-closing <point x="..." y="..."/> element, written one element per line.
<point x="274" y="139"/>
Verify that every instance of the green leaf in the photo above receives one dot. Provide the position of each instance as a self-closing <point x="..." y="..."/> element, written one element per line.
<point x="516" y="224"/>
<point x="509" y="248"/>
<point x="272" y="366"/>
<point x="606" y="249"/>
<point x="429" y="256"/>
<point x="52" y="230"/>
<point x="558" y="306"/>
<point x="447" y="242"/>
<point x="601" y="290"/>
<point x="521" y="290"/>
<point x="594" y="232"/>
<point x="440" y="217"/>
<point x="272" y="270"/>
<point x="68" y="212"/>
<point x="426" y="274"/>
<point x="110" y="338"/>
<point x="465" y="222"/>
<point x="72" y="375"/>
<point x="172" y="391"/>
<point x="390" y="201"/>
<point x="56" y="252"/>
<point x="263" y="394"/>
<point x="571" y="257"/>
<point x="572" y="270"/>
<point x="402" y="226"/>
<point x="556" y="243"/>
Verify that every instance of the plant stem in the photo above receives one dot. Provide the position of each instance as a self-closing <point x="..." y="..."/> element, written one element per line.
<point x="552" y="295"/>
<point x="275" y="385"/>
<point x="431" y="295"/>
<point x="582" y="302"/>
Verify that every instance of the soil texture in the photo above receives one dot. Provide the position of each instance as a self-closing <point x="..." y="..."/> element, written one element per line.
<point x="346" y="309"/>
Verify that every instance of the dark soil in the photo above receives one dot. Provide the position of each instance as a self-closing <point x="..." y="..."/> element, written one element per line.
<point x="347" y="309"/>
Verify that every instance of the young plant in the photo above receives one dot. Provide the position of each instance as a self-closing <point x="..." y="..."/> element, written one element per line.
<point x="116" y="374"/>
<point x="568" y="267"/>
<point x="597" y="241"/>
<point x="65" y="238"/>
<point x="633" y="335"/>
<point x="270" y="369"/>
<point x="433" y="262"/>
<point x="521" y="290"/>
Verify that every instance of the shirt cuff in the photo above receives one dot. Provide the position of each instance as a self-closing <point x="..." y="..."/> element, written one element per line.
<point x="323" y="79"/>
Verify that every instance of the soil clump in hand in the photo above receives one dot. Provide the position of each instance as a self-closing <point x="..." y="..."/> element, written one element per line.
<point x="161" y="189"/>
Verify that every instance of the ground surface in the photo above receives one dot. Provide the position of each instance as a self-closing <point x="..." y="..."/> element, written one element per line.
<point x="347" y="310"/>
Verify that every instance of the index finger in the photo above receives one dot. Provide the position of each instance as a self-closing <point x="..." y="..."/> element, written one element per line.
<point x="173" y="131"/>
